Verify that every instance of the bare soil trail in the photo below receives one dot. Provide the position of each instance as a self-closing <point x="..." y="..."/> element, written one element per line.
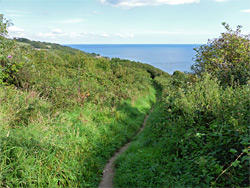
<point x="109" y="171"/>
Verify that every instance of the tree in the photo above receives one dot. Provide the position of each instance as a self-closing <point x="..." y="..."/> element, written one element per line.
<point x="4" y="24"/>
<point x="10" y="60"/>
<point x="226" y="57"/>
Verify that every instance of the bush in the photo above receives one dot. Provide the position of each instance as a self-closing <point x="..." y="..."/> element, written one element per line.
<point x="226" y="57"/>
<point x="198" y="136"/>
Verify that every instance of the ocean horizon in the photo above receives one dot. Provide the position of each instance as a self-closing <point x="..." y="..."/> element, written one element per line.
<point x="167" y="57"/>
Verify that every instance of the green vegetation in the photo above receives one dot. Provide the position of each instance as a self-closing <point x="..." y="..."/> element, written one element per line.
<point x="43" y="45"/>
<point x="64" y="113"/>
<point x="198" y="134"/>
<point x="227" y="58"/>
<point x="9" y="64"/>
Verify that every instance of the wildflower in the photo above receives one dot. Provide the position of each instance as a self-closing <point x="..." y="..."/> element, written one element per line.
<point x="9" y="56"/>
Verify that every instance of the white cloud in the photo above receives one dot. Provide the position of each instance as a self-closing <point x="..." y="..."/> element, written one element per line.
<point x="16" y="15"/>
<point x="246" y="11"/>
<point x="125" y="36"/>
<point x="176" y="32"/>
<point x="140" y="3"/>
<point x="73" y="35"/>
<point x="105" y="35"/>
<point x="57" y="33"/>
<point x="16" y="31"/>
<point x="46" y="35"/>
<point x="16" y="11"/>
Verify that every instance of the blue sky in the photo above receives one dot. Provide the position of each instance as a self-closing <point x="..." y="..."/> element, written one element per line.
<point x="124" y="21"/>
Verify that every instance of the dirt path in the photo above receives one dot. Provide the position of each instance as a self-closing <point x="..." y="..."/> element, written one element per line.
<point x="109" y="171"/>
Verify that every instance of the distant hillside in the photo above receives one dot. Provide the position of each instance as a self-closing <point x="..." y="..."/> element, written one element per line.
<point x="42" y="45"/>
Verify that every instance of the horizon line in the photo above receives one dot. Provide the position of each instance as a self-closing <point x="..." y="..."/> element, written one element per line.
<point x="138" y="44"/>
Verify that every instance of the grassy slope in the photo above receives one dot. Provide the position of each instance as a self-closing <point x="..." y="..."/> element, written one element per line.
<point x="68" y="115"/>
<point x="23" y="44"/>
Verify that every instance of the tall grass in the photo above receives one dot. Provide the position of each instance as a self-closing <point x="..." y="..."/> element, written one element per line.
<point x="65" y="115"/>
<point x="69" y="149"/>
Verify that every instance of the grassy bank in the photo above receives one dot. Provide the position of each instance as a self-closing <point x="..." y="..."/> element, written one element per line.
<point x="198" y="135"/>
<point x="64" y="113"/>
<point x="137" y="166"/>
<point x="67" y="149"/>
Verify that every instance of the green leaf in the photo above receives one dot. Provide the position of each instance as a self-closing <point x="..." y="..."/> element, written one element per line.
<point x="245" y="150"/>
<point x="235" y="163"/>
<point x="233" y="151"/>
<point x="245" y="158"/>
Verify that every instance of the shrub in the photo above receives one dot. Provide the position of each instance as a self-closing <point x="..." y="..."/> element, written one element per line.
<point x="226" y="57"/>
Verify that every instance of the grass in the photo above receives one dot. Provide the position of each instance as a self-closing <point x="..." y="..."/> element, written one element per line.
<point x="64" y="148"/>
<point x="23" y="44"/>
<point x="136" y="167"/>
<point x="198" y="135"/>
<point x="64" y="113"/>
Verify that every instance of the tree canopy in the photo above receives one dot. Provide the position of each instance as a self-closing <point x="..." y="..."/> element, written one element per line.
<point x="10" y="59"/>
<point x="4" y="24"/>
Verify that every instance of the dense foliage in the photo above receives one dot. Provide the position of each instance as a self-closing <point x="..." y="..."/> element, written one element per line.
<point x="10" y="57"/>
<point x="227" y="57"/>
<point x="199" y="133"/>
<point x="65" y="112"/>
<point x="198" y="136"/>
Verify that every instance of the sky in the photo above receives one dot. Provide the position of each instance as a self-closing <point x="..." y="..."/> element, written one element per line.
<point x="124" y="21"/>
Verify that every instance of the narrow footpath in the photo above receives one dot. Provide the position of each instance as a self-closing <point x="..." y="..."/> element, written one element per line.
<point x="109" y="171"/>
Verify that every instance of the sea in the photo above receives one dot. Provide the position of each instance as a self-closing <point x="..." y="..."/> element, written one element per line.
<point x="167" y="57"/>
